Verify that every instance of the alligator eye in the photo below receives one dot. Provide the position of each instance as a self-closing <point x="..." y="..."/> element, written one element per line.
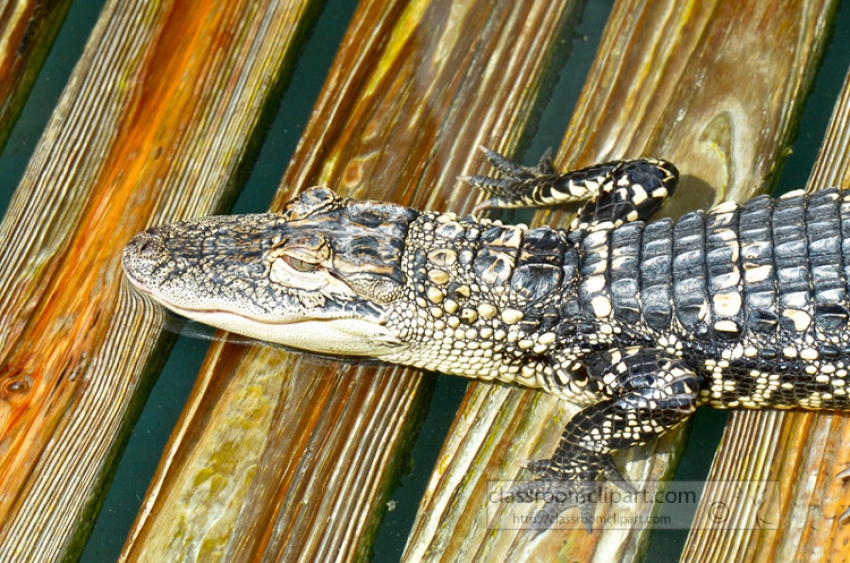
<point x="300" y="265"/>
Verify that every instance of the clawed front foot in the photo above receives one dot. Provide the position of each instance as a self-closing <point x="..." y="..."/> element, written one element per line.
<point x="519" y="185"/>
<point x="619" y="191"/>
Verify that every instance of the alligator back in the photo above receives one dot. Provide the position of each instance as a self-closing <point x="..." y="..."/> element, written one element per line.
<point x="755" y="296"/>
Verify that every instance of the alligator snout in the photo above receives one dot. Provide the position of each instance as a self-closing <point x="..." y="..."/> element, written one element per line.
<point x="143" y="253"/>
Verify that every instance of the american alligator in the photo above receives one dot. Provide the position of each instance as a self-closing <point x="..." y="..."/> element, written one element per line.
<point x="741" y="306"/>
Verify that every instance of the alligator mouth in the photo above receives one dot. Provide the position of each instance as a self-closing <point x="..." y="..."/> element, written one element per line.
<point x="137" y="284"/>
<point x="197" y="314"/>
<point x="336" y="336"/>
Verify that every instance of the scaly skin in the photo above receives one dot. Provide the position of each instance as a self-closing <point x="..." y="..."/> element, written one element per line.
<point x="639" y="323"/>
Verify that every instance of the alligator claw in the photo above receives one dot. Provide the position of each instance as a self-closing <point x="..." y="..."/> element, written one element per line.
<point x="545" y="166"/>
<point x="558" y="496"/>
<point x="514" y="178"/>
<point x="562" y="485"/>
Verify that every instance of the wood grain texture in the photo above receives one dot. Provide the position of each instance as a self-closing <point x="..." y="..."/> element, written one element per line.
<point x="715" y="87"/>
<point x="154" y="125"/>
<point x="797" y="454"/>
<point x="415" y="88"/>
<point x="27" y="31"/>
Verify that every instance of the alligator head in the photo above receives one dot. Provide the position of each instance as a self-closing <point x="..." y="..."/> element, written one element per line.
<point x="318" y="276"/>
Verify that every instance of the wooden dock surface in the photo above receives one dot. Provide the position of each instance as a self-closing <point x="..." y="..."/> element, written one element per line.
<point x="284" y="456"/>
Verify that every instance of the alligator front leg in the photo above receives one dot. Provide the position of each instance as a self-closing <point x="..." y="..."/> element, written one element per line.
<point x="619" y="191"/>
<point x="648" y="392"/>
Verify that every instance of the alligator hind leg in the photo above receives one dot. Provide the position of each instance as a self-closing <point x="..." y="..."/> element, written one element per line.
<point x="618" y="191"/>
<point x="647" y="392"/>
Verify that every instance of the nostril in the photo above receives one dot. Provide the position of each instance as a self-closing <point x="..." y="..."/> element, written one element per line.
<point x="147" y="246"/>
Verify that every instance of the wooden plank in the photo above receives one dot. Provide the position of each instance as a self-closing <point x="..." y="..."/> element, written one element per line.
<point x="154" y="125"/>
<point x="794" y="456"/>
<point x="416" y="86"/>
<point x="670" y="80"/>
<point x="27" y="30"/>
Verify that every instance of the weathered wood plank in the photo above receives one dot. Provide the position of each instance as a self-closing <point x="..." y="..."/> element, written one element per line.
<point x="794" y="516"/>
<point x="154" y="125"/>
<point x="27" y="30"/>
<point x="415" y="88"/>
<point x="671" y="80"/>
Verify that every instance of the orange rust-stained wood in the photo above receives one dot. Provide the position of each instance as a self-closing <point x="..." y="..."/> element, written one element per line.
<point x="798" y="454"/>
<point x="415" y="88"/>
<point x="154" y="125"/>
<point x="27" y="30"/>
<point x="715" y="87"/>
